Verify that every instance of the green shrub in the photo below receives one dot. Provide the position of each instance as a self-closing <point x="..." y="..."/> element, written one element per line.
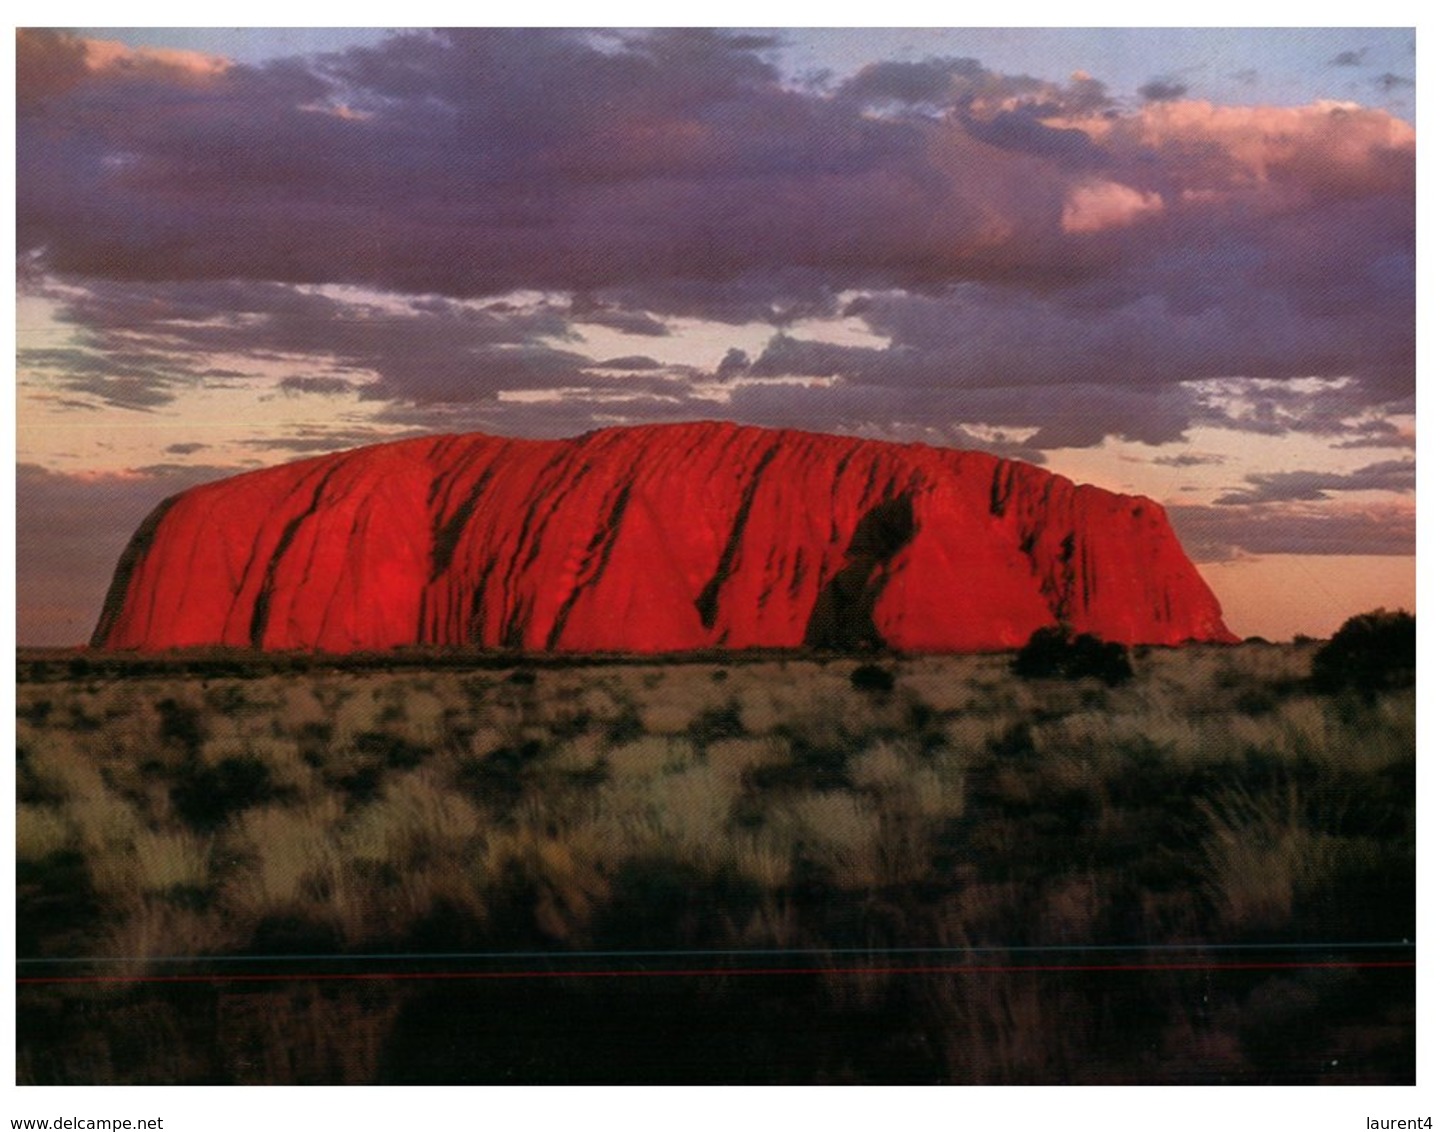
<point x="1370" y="653"/>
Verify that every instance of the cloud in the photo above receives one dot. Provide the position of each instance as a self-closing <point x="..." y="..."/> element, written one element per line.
<point x="1348" y="58"/>
<point x="314" y="439"/>
<point x="1005" y="233"/>
<point x="1097" y="205"/>
<point x="1389" y="82"/>
<point x="1270" y="487"/>
<point x="323" y="386"/>
<point x="1162" y="90"/>
<point x="734" y="362"/>
<point x="586" y="309"/>
<point x="672" y="157"/>
<point x="1217" y="534"/>
<point x="633" y="363"/>
<point x="1377" y="434"/>
<point x="970" y="89"/>
<point x="50" y="63"/>
<point x="1187" y="460"/>
<point x="389" y="346"/>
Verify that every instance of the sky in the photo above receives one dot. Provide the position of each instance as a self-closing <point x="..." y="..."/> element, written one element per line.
<point x="1173" y="262"/>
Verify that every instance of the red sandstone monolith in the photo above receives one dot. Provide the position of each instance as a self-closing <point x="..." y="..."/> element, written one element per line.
<point x="652" y="539"/>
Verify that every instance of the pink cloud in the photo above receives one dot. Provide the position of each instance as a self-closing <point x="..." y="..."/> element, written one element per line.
<point x="49" y="63"/>
<point x="110" y="57"/>
<point x="1322" y="150"/>
<point x="1096" y="205"/>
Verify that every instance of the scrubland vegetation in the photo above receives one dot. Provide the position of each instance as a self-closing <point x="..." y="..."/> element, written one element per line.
<point x="756" y="869"/>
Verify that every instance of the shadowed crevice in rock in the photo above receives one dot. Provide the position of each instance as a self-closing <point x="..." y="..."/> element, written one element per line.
<point x="842" y="617"/>
<point x="261" y="611"/>
<point x="135" y="551"/>
<point x="447" y="534"/>
<point x="602" y="543"/>
<point x="707" y="602"/>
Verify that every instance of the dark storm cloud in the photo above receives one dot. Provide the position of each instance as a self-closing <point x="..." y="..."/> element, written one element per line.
<point x="136" y="393"/>
<point x="1378" y="434"/>
<point x="189" y="448"/>
<point x="1217" y="534"/>
<point x="777" y="296"/>
<point x="628" y="322"/>
<point x="1012" y="233"/>
<point x="1186" y="460"/>
<point x="1021" y="131"/>
<point x="1343" y="410"/>
<point x="1162" y="90"/>
<point x="322" y="386"/>
<point x="432" y="350"/>
<point x="1270" y="487"/>
<point x="872" y="410"/>
<point x="734" y="362"/>
<point x="635" y="363"/>
<point x="970" y="89"/>
<point x="464" y="163"/>
<point x="124" y="377"/>
<point x="567" y="416"/>
<point x="853" y="405"/>
<point x="910" y="83"/>
<point x="313" y="439"/>
<point x="1123" y="369"/>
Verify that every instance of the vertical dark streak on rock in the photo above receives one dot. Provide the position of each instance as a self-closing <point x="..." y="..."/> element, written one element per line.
<point x="602" y="543"/>
<point x="1001" y="488"/>
<point x="513" y="632"/>
<point x="260" y="612"/>
<point x="446" y="536"/>
<point x="1067" y="576"/>
<point x="707" y="600"/>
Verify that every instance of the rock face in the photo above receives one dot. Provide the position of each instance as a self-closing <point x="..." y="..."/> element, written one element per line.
<point x="652" y="539"/>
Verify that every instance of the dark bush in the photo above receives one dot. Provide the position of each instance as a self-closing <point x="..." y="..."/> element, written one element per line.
<point x="1053" y="651"/>
<point x="390" y="750"/>
<point x="873" y="678"/>
<point x="625" y="727"/>
<point x="1370" y="653"/>
<point x="206" y="797"/>
<point x="36" y="713"/>
<point x="1107" y="660"/>
<point x="717" y="723"/>
<point x="181" y="724"/>
<point x="1045" y="653"/>
<point x="501" y="778"/>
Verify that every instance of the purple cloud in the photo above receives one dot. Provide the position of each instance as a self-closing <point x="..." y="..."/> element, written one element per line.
<point x="1217" y="534"/>
<point x="1269" y="487"/>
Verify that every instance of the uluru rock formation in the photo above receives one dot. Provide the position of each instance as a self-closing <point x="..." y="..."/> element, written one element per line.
<point x="652" y="539"/>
